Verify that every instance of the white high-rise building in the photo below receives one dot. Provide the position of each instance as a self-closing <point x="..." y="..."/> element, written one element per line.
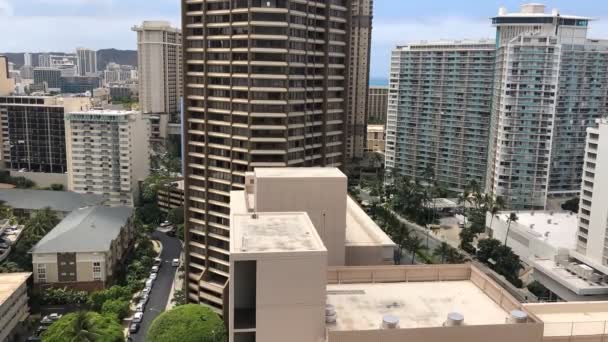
<point x="27" y="59"/>
<point x="107" y="153"/>
<point x="549" y="87"/>
<point x="87" y="59"/>
<point x="592" y="245"/>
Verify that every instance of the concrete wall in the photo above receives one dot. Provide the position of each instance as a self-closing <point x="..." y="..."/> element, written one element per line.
<point x="369" y="255"/>
<point x="323" y="198"/>
<point x="43" y="179"/>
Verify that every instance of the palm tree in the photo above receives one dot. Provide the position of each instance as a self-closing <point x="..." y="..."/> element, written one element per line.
<point x="400" y="236"/>
<point x="442" y="251"/>
<point x="511" y="218"/>
<point x="495" y="206"/>
<point x="41" y="222"/>
<point x="414" y="245"/>
<point x="83" y="328"/>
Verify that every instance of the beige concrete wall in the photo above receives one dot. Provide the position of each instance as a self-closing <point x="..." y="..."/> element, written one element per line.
<point x="7" y="86"/>
<point x="43" y="179"/>
<point x="532" y="332"/>
<point x="324" y="199"/>
<point x="370" y="274"/>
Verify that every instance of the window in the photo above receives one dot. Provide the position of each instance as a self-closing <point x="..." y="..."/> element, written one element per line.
<point x="96" y="270"/>
<point x="41" y="270"/>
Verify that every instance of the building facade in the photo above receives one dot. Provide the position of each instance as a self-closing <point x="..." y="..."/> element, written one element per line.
<point x="27" y="59"/>
<point x="87" y="59"/>
<point x="375" y="138"/>
<point x="550" y="86"/>
<point x="377" y="105"/>
<point x="13" y="303"/>
<point x="257" y="94"/>
<point x="108" y="154"/>
<point x="7" y="85"/>
<point x="439" y="110"/>
<point x="33" y="131"/>
<point x="50" y="76"/>
<point x="79" y="84"/>
<point x="85" y="249"/>
<point x="358" y="76"/>
<point x="159" y="48"/>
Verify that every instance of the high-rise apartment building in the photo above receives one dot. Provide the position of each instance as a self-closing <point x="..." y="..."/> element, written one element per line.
<point x="358" y="76"/>
<point x="27" y="59"/>
<point x="159" y="48"/>
<point x="51" y="76"/>
<point x="33" y="133"/>
<point x="377" y="105"/>
<point x="593" y="216"/>
<point x="108" y="154"/>
<point x="550" y="86"/>
<point x="439" y="110"/>
<point x="265" y="85"/>
<point x="44" y="60"/>
<point x="87" y="60"/>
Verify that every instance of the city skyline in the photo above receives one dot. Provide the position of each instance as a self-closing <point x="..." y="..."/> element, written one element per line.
<point x="395" y="23"/>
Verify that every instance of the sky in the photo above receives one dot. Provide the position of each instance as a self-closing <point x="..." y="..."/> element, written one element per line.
<point x="63" y="25"/>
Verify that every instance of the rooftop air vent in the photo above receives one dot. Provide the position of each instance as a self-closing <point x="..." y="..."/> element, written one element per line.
<point x="518" y="317"/>
<point x="330" y="314"/>
<point x="390" y="322"/>
<point x="455" y="319"/>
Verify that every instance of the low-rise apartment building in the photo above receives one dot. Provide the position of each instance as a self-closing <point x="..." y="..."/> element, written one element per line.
<point x="26" y="201"/>
<point x="13" y="303"/>
<point x="171" y="197"/>
<point x="375" y="138"/>
<point x="84" y="250"/>
<point x="108" y="154"/>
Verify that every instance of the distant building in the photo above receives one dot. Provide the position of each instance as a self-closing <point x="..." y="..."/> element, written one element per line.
<point x="377" y="104"/>
<point x="433" y="120"/>
<point x="27" y="59"/>
<point x="79" y="84"/>
<point x="171" y="197"/>
<point x="85" y="249"/>
<point x="27" y="72"/>
<point x="44" y="60"/>
<point x="7" y="85"/>
<point x="121" y="91"/>
<point x="50" y="76"/>
<point x="159" y="49"/>
<point x="33" y="131"/>
<point x="14" y="308"/>
<point x="26" y="201"/>
<point x="108" y="154"/>
<point x="360" y="21"/>
<point x="375" y="138"/>
<point x="88" y="61"/>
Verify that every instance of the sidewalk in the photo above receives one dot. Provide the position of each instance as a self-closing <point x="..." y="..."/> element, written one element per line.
<point x="177" y="282"/>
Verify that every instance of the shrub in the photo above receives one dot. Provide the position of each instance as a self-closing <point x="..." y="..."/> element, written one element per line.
<point x="187" y="323"/>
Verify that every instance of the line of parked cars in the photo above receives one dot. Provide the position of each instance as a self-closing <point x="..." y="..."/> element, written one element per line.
<point x="45" y="323"/>
<point x="144" y="297"/>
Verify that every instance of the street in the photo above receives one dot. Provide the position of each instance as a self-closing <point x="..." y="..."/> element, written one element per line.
<point x="162" y="286"/>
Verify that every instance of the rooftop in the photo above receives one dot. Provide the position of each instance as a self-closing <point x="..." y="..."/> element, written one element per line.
<point x="89" y="229"/>
<point x="109" y="112"/>
<point x="419" y="296"/>
<point x="556" y="228"/>
<point x="572" y="319"/>
<point x="299" y="172"/>
<point x="574" y="283"/>
<point x="64" y="201"/>
<point x="274" y="232"/>
<point x="361" y="230"/>
<point x="536" y="10"/>
<point x="9" y="283"/>
<point x="424" y="44"/>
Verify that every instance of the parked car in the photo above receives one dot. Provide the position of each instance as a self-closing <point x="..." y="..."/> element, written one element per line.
<point x="140" y="307"/>
<point x="144" y="299"/>
<point x="46" y="321"/>
<point x="41" y="329"/>
<point x="158" y="262"/>
<point x="175" y="263"/>
<point x="149" y="283"/>
<point x="165" y="224"/>
<point x="137" y="317"/>
<point x="133" y="328"/>
<point x="55" y="316"/>
<point x="146" y="290"/>
<point x="153" y="276"/>
<point x="155" y="269"/>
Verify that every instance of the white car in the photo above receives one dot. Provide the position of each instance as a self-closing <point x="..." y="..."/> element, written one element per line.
<point x="165" y="224"/>
<point x="154" y="269"/>
<point x="153" y="276"/>
<point x="175" y="263"/>
<point x="140" y="307"/>
<point x="138" y="317"/>
<point x="144" y="299"/>
<point x="146" y="290"/>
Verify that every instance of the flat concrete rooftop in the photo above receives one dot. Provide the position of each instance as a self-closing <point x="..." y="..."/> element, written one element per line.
<point x="572" y="319"/>
<point x="556" y="228"/>
<point x="274" y="232"/>
<point x="574" y="283"/>
<point x="299" y="172"/>
<point x="9" y="283"/>
<point x="416" y="304"/>
<point x="361" y="230"/>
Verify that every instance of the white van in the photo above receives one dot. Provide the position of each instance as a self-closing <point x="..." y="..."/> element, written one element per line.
<point x="175" y="263"/>
<point x="149" y="283"/>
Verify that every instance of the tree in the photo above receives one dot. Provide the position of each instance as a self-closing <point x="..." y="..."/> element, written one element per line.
<point x="97" y="299"/>
<point x="41" y="222"/>
<point x="466" y="240"/>
<point x="84" y="327"/>
<point x="414" y="245"/>
<point x="510" y="219"/>
<point x="187" y="323"/>
<point x="179" y="298"/>
<point x="176" y="215"/>
<point x="571" y="204"/>
<point x="487" y="249"/>
<point x="501" y="259"/>
<point x="118" y="308"/>
<point x="442" y="251"/>
<point x="63" y="296"/>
